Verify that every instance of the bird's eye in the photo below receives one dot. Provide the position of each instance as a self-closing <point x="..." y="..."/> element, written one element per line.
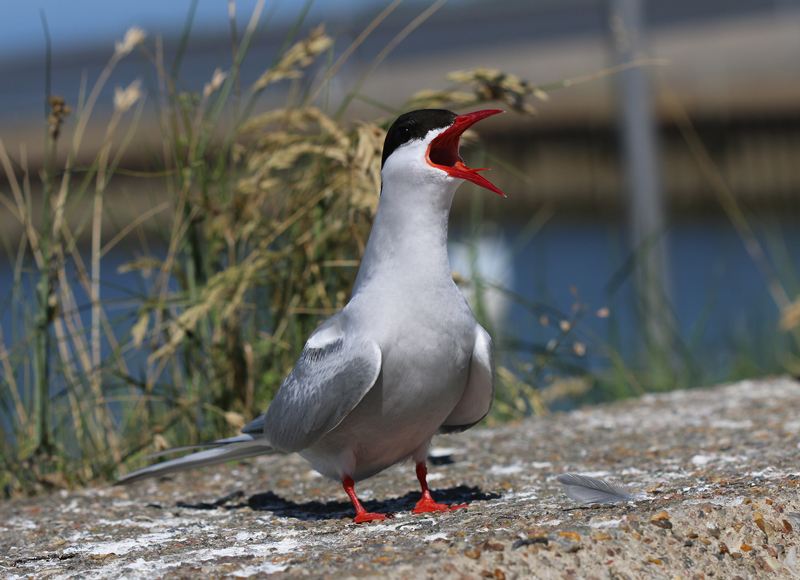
<point x="405" y="132"/>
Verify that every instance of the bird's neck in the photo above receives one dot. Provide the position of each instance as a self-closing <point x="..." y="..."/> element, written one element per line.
<point x="408" y="242"/>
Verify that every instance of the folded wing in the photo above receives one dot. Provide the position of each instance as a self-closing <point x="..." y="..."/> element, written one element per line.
<point x="334" y="372"/>
<point x="479" y="393"/>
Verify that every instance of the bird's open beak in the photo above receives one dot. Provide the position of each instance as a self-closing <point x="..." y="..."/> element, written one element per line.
<point x="443" y="150"/>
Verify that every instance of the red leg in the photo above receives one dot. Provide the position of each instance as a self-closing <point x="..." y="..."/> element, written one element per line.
<point x="362" y="515"/>
<point x="426" y="504"/>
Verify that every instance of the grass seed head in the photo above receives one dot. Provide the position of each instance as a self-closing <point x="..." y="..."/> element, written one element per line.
<point x="125" y="99"/>
<point x="133" y="38"/>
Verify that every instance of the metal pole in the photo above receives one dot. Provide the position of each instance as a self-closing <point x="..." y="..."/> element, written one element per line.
<point x="639" y="132"/>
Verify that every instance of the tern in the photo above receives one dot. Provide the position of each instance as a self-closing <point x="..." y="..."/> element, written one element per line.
<point x="405" y="358"/>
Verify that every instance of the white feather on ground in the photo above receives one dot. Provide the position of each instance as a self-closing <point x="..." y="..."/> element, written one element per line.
<point x="592" y="490"/>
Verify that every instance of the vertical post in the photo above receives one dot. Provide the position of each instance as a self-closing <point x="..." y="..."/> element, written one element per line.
<point x="41" y="359"/>
<point x="639" y="132"/>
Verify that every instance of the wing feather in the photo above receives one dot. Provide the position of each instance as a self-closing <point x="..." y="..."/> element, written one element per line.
<point x="479" y="392"/>
<point x="334" y="372"/>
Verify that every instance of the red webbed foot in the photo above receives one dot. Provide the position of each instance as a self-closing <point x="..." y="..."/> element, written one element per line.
<point x="362" y="515"/>
<point x="366" y="516"/>
<point x="426" y="504"/>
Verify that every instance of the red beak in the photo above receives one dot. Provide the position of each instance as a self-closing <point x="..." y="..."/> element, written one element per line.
<point x="443" y="150"/>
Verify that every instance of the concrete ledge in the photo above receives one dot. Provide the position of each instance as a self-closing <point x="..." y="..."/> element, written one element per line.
<point x="720" y="466"/>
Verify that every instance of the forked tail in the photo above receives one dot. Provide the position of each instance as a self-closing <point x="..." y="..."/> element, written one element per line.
<point x="231" y="449"/>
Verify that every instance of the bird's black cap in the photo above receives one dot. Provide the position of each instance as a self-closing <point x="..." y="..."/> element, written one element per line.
<point x="414" y="125"/>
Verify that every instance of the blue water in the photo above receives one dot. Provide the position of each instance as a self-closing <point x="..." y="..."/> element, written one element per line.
<point x="721" y="305"/>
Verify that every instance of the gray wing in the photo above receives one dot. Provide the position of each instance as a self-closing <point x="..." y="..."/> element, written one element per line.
<point x="334" y="372"/>
<point x="479" y="393"/>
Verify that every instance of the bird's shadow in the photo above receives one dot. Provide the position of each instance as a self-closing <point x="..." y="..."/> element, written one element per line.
<point x="315" y="510"/>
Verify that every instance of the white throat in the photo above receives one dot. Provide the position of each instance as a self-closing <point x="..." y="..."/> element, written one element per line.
<point x="408" y="242"/>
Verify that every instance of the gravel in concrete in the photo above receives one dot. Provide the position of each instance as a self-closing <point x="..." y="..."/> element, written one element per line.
<point x="719" y="467"/>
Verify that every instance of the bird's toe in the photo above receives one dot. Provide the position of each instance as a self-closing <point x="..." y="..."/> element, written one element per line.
<point x="365" y="517"/>
<point x="425" y="506"/>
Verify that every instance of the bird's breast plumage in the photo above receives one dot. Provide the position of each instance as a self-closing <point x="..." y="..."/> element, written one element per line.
<point x="426" y="343"/>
